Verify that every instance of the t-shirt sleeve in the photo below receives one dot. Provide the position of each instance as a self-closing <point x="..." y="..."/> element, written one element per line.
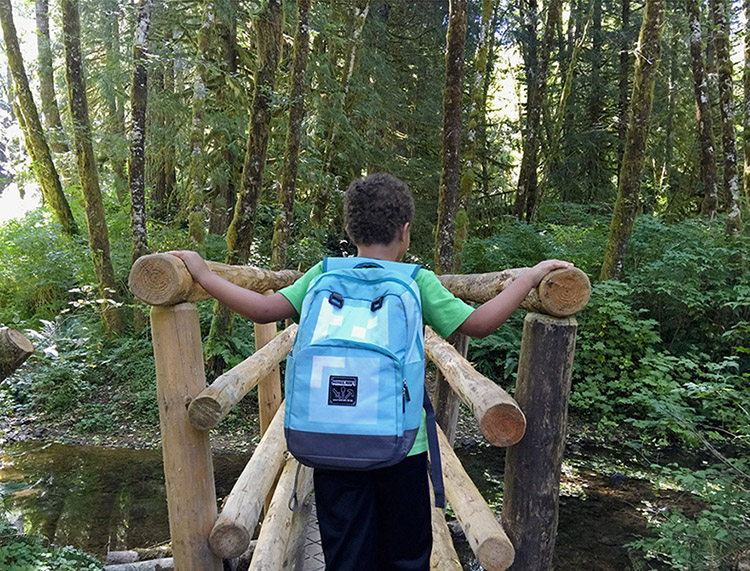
<point x="442" y="310"/>
<point x="295" y="293"/>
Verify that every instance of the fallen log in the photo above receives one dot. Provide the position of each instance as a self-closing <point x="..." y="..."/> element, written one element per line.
<point x="15" y="348"/>
<point x="236" y="523"/>
<point x="164" y="564"/>
<point x="560" y="293"/>
<point x="215" y="401"/>
<point x="500" y="419"/>
<point x="163" y="279"/>
<point x="275" y="531"/>
<point x="484" y="533"/>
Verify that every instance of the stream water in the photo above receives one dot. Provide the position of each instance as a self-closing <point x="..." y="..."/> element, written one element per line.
<point x="105" y="499"/>
<point x="94" y="498"/>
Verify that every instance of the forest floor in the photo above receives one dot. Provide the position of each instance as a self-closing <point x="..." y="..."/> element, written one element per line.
<point x="601" y="508"/>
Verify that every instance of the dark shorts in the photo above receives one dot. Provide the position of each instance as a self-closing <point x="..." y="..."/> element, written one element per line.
<point x="376" y="520"/>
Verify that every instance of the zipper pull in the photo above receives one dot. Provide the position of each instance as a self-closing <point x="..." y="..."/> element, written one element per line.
<point x="406" y="398"/>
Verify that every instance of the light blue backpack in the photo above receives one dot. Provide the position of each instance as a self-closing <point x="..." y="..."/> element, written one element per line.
<point x="355" y="376"/>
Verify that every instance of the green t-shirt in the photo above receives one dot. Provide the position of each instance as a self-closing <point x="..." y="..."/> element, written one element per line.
<point x="441" y="310"/>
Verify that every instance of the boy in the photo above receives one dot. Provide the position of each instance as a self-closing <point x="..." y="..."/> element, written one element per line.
<point x="378" y="519"/>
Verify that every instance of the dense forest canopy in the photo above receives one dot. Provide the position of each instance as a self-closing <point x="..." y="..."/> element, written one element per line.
<point x="612" y="133"/>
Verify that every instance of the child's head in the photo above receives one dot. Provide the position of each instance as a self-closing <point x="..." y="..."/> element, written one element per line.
<point x="376" y="208"/>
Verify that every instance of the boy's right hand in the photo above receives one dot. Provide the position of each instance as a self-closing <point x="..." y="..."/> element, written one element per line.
<point x="195" y="264"/>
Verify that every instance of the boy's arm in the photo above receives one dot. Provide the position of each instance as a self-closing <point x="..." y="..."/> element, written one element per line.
<point x="250" y="304"/>
<point x="490" y="315"/>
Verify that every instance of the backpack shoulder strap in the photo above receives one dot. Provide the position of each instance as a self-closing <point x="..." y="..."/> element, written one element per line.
<point x="407" y="270"/>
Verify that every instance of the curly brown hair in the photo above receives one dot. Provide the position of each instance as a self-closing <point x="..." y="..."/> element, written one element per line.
<point x="375" y="207"/>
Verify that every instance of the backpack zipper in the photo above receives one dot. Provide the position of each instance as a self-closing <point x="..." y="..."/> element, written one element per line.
<point x="406" y="398"/>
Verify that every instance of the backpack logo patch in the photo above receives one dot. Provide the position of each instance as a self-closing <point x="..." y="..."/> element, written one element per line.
<point x="342" y="391"/>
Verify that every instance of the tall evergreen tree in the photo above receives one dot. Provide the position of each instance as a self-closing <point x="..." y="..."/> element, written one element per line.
<point x="648" y="53"/>
<point x="287" y="190"/>
<point x="137" y="161"/>
<point x="703" y="112"/>
<point x="87" y="170"/>
<point x="537" y="62"/>
<point x="197" y="170"/>
<point x="731" y="188"/>
<point x="44" y="167"/>
<point x="51" y="112"/>
<point x="451" y="165"/>
<point x="241" y="231"/>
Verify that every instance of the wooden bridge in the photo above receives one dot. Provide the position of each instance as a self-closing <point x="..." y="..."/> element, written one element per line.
<point x="532" y="425"/>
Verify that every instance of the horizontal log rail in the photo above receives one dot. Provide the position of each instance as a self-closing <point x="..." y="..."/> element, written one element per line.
<point x="500" y="418"/>
<point x="560" y="293"/>
<point x="236" y="523"/>
<point x="485" y="535"/>
<point x="275" y="533"/>
<point x="162" y="279"/>
<point x="216" y="400"/>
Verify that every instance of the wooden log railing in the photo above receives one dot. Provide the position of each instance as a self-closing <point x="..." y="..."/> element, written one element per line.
<point x="187" y="410"/>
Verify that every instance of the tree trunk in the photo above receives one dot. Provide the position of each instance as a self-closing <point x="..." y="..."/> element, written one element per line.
<point x="529" y="159"/>
<point x="527" y="194"/>
<point x="623" y="83"/>
<point x="596" y="100"/>
<point x="241" y="230"/>
<point x="87" y="172"/>
<point x="731" y="187"/>
<point x="47" y="79"/>
<point x="137" y="163"/>
<point x="224" y="189"/>
<point x="115" y="118"/>
<point x="197" y="169"/>
<point x="476" y="122"/>
<point x="703" y="112"/>
<point x="663" y="183"/>
<point x="287" y="190"/>
<point x="451" y="162"/>
<point x="646" y="66"/>
<point x="746" y="116"/>
<point x="44" y="167"/>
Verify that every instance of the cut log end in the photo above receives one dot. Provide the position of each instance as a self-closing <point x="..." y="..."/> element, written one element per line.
<point x="204" y="413"/>
<point x="20" y="341"/>
<point x="159" y="279"/>
<point x="228" y="540"/>
<point x="494" y="554"/>
<point x="564" y="292"/>
<point x="503" y="425"/>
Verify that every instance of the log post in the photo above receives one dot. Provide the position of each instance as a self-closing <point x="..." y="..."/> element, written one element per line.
<point x="213" y="403"/>
<point x="15" y="348"/>
<point x="275" y="531"/>
<point x="500" y="419"/>
<point x="234" y="528"/>
<point x="486" y="537"/>
<point x="532" y="467"/>
<point x="447" y="402"/>
<point x="188" y="467"/>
